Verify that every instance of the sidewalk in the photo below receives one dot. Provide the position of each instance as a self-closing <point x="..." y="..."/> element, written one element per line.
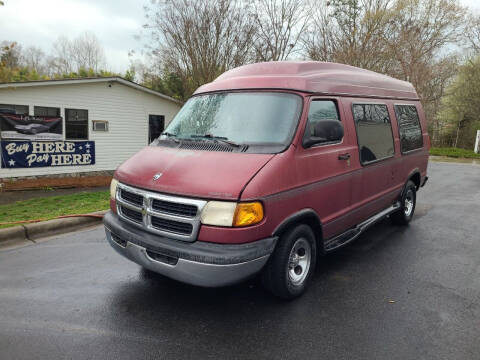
<point x="9" y="197"/>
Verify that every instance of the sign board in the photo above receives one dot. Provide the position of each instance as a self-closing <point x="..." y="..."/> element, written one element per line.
<point x="29" y="154"/>
<point x="25" y="127"/>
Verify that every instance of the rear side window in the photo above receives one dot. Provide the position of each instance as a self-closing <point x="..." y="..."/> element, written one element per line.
<point x="374" y="132"/>
<point x="409" y="127"/>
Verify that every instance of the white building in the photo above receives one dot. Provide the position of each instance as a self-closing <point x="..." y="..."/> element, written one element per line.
<point x="119" y="116"/>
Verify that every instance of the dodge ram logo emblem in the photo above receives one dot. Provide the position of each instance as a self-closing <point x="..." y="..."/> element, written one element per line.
<point x="157" y="176"/>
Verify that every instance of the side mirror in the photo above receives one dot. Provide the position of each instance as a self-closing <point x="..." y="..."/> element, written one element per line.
<point x="324" y="131"/>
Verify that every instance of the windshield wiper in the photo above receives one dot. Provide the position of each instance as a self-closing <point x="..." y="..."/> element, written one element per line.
<point x="166" y="133"/>
<point x="222" y="139"/>
<point x="170" y="135"/>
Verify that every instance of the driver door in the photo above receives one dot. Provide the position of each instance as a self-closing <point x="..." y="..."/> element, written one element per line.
<point x="325" y="169"/>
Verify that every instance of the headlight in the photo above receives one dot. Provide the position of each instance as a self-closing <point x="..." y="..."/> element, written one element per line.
<point x="113" y="188"/>
<point x="223" y="213"/>
<point x="219" y="213"/>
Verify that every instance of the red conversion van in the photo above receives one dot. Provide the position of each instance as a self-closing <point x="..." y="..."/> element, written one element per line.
<point x="265" y="169"/>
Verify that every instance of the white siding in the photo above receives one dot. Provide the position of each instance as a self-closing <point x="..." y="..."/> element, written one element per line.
<point x="125" y="108"/>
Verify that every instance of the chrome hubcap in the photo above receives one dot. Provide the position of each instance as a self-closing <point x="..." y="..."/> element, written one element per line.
<point x="408" y="206"/>
<point x="299" y="261"/>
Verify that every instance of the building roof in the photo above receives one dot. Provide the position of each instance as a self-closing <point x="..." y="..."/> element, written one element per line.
<point x="312" y="77"/>
<point x="116" y="79"/>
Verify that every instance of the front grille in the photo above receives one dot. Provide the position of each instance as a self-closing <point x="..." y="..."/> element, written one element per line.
<point x="174" y="208"/>
<point x="170" y="216"/>
<point x="131" y="214"/>
<point x="131" y="197"/>
<point x="171" y="226"/>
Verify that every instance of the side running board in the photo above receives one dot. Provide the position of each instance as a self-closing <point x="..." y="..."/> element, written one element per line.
<point x="351" y="234"/>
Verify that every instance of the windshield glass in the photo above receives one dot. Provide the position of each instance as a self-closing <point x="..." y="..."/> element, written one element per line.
<point x="241" y="117"/>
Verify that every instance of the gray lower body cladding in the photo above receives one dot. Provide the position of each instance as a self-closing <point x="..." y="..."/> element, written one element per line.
<point x="198" y="263"/>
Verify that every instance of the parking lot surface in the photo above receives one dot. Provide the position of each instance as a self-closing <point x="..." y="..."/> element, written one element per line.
<point x="396" y="293"/>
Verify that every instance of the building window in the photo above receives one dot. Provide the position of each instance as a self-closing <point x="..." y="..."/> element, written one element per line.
<point x="374" y="132"/>
<point x="18" y="109"/>
<point x="76" y="124"/>
<point x="156" y="124"/>
<point x="46" y="111"/>
<point x="319" y="111"/>
<point x="409" y="127"/>
<point x="99" y="125"/>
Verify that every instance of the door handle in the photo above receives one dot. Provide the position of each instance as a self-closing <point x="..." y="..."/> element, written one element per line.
<point x="344" y="156"/>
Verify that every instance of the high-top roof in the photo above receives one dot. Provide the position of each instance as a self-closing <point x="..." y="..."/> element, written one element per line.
<point x="312" y="77"/>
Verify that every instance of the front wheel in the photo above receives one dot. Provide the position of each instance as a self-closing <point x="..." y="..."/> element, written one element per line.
<point x="292" y="264"/>
<point x="407" y="205"/>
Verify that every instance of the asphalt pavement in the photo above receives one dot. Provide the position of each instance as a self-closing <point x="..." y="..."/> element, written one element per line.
<point x="396" y="293"/>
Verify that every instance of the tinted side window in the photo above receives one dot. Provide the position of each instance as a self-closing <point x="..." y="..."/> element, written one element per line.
<point x="409" y="127"/>
<point x="374" y="131"/>
<point x="320" y="110"/>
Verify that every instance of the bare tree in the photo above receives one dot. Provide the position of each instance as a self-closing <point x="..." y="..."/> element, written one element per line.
<point x="87" y="52"/>
<point x="419" y="32"/>
<point x="279" y="27"/>
<point x="61" y="62"/>
<point x="34" y="58"/>
<point x="419" y="38"/>
<point x="350" y="32"/>
<point x="319" y="40"/>
<point x="473" y="33"/>
<point x="199" y="39"/>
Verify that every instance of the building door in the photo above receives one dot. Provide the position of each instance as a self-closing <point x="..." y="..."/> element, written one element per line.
<point x="156" y="124"/>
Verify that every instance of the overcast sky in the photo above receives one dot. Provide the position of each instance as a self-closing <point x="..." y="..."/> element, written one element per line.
<point x="40" y="22"/>
<point x="115" y="22"/>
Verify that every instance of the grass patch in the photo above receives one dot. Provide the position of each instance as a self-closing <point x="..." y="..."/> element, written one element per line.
<point x="53" y="206"/>
<point x="454" y="152"/>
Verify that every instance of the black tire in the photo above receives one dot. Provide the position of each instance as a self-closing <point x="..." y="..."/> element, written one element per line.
<point x="284" y="275"/>
<point x="407" y="205"/>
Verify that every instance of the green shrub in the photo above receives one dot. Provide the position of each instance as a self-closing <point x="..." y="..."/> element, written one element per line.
<point x="454" y="152"/>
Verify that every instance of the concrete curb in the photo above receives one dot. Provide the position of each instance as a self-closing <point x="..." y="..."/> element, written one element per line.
<point x="42" y="229"/>
<point x="16" y="233"/>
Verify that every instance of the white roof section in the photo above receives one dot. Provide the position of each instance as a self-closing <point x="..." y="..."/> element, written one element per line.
<point x="113" y="79"/>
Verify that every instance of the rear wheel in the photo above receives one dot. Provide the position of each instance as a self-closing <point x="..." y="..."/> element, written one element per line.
<point x="292" y="264"/>
<point x="407" y="205"/>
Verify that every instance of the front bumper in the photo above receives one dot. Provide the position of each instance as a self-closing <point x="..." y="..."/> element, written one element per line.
<point x="197" y="263"/>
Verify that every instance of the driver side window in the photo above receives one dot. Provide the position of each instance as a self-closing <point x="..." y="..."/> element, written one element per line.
<point x="319" y="113"/>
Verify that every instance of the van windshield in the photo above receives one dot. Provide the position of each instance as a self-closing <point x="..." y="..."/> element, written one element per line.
<point x="246" y="118"/>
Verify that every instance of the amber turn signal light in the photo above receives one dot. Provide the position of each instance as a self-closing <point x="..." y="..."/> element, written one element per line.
<point x="248" y="214"/>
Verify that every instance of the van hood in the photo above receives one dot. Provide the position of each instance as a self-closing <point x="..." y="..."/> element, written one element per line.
<point x="203" y="174"/>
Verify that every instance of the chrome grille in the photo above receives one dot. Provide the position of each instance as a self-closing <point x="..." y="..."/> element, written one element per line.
<point x="132" y="214"/>
<point x="131" y="197"/>
<point x="174" y="208"/>
<point x="172" y="225"/>
<point x="170" y="216"/>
